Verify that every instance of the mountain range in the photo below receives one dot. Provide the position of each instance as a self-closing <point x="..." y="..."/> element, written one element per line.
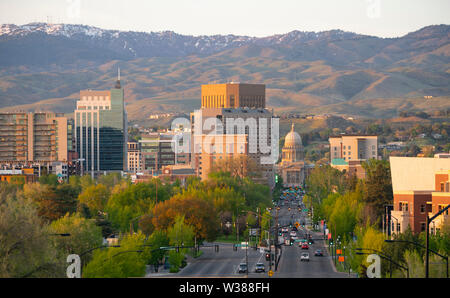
<point x="44" y="66"/>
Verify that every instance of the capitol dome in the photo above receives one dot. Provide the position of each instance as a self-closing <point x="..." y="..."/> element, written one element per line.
<point x="293" y="139"/>
<point x="293" y="147"/>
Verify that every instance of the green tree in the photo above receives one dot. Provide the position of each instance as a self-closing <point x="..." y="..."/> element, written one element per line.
<point x="132" y="202"/>
<point x="156" y="240"/>
<point x="25" y="247"/>
<point x="95" y="197"/>
<point x="50" y="179"/>
<point x="180" y="234"/>
<point x="128" y="260"/>
<point x="378" y="186"/>
<point x="84" y="234"/>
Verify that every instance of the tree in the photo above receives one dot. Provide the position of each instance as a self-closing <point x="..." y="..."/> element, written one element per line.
<point x="197" y="212"/>
<point x="50" y="179"/>
<point x="240" y="166"/>
<point x="180" y="234"/>
<point x="128" y="260"/>
<point x="52" y="202"/>
<point x="95" y="197"/>
<point x="84" y="234"/>
<point x="156" y="240"/>
<point x="25" y="248"/>
<point x="132" y="202"/>
<point x="378" y="186"/>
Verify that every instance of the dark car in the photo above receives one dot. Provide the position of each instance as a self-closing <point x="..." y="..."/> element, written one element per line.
<point x="318" y="253"/>
<point x="242" y="268"/>
<point x="260" y="267"/>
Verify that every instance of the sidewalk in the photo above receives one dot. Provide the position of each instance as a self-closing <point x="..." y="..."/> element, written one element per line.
<point x="150" y="272"/>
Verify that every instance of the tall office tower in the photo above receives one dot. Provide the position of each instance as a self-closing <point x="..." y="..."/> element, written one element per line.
<point x="238" y="109"/>
<point x="101" y="130"/>
<point x="33" y="137"/>
<point x="234" y="95"/>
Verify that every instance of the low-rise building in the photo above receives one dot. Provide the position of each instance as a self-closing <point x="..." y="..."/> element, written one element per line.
<point x="421" y="188"/>
<point x="23" y="175"/>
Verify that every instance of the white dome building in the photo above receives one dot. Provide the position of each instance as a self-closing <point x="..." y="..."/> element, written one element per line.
<point x="293" y="147"/>
<point x="292" y="166"/>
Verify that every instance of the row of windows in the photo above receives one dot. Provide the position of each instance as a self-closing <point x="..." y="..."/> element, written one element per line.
<point x="94" y="108"/>
<point x="95" y="98"/>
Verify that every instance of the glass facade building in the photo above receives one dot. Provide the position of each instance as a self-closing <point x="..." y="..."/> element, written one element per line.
<point x="101" y="130"/>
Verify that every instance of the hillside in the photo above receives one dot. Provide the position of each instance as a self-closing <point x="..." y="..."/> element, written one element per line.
<point x="44" y="66"/>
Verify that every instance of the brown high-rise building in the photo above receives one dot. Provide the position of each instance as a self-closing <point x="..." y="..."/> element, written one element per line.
<point x="241" y="111"/>
<point x="40" y="137"/>
<point x="234" y="95"/>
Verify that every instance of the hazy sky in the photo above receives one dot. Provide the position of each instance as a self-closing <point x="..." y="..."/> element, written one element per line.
<point x="384" y="18"/>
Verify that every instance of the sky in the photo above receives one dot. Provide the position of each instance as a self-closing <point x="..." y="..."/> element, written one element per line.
<point x="382" y="18"/>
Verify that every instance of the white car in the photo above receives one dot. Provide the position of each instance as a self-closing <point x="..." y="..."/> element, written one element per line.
<point x="293" y="234"/>
<point x="304" y="257"/>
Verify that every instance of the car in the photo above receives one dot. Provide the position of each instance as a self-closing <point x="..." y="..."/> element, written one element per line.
<point x="260" y="268"/>
<point x="304" y="257"/>
<point x="242" y="268"/>
<point x="293" y="233"/>
<point x="305" y="246"/>
<point x="318" y="253"/>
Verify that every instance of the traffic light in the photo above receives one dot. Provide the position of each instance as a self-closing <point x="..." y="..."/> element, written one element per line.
<point x="276" y="178"/>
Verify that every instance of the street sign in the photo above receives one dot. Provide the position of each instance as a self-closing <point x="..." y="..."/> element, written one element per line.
<point x="341" y="259"/>
<point x="338" y="251"/>
<point x="305" y="210"/>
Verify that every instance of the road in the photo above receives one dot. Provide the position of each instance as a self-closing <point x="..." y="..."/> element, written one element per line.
<point x="225" y="263"/>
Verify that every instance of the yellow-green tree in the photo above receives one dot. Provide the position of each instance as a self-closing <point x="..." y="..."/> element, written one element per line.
<point x="128" y="260"/>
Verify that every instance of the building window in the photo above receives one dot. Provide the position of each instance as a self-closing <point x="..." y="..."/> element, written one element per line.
<point x="398" y="227"/>
<point x="403" y="206"/>
<point x="422" y="208"/>
<point x="422" y="226"/>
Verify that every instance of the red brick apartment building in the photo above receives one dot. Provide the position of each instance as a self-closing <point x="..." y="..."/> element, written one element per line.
<point x="421" y="188"/>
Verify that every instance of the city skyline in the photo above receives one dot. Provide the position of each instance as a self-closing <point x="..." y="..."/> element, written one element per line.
<point x="371" y="17"/>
